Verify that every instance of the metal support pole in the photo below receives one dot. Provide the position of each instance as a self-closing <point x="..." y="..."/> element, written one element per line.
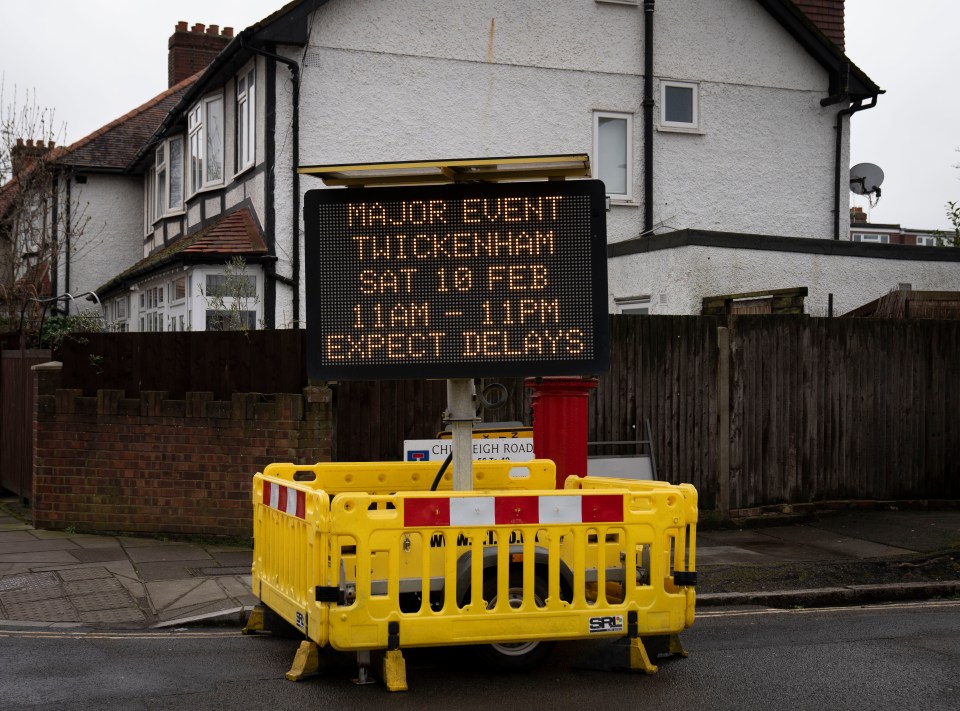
<point x="460" y="415"/>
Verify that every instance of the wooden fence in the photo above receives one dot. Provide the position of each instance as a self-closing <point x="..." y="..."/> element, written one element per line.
<point x="221" y="362"/>
<point x="16" y="419"/>
<point x="753" y="410"/>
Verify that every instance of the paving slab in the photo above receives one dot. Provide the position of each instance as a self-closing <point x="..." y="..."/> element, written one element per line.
<point x="924" y="531"/>
<point x="55" y="610"/>
<point x="235" y="585"/>
<point x="38" y="558"/>
<point x="117" y="616"/>
<point x="153" y="572"/>
<point x="99" y="555"/>
<point x="233" y="558"/>
<point x="818" y="540"/>
<point x="25" y="546"/>
<point x="206" y="592"/>
<point x="166" y="554"/>
<point x="165" y="593"/>
<point x="731" y="555"/>
<point x="84" y="573"/>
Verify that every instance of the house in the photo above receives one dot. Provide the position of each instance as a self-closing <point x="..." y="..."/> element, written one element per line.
<point x="862" y="230"/>
<point x="69" y="215"/>
<point x="721" y="130"/>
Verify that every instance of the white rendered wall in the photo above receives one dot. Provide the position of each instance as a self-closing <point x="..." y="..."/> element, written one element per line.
<point x="112" y="237"/>
<point x="387" y="81"/>
<point x="676" y="280"/>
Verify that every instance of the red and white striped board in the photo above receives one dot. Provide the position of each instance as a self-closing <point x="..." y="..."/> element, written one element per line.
<point x="283" y="498"/>
<point x="512" y="510"/>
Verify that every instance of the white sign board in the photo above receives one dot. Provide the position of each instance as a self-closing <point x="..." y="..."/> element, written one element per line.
<point x="518" y="449"/>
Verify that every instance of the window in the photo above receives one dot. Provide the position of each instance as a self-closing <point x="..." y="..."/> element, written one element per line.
<point x="160" y="165"/>
<point x="166" y="177"/>
<point x="635" y="305"/>
<point x="246" y="120"/>
<point x="233" y="285"/>
<point x="230" y="320"/>
<point x="150" y="200"/>
<point x="179" y="287"/>
<point x="926" y="240"/>
<point x="679" y="106"/>
<point x="175" y="175"/>
<point x="612" y="154"/>
<point x="151" y="308"/>
<point x="867" y="237"/>
<point x="205" y="143"/>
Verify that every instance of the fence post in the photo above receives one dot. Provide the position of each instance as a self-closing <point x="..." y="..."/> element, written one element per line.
<point x="723" y="420"/>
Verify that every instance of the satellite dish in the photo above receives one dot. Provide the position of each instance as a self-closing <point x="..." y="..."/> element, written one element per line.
<point x="865" y="178"/>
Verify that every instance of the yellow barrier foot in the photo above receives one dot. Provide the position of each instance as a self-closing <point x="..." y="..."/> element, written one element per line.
<point x="639" y="659"/>
<point x="306" y="663"/>
<point x="256" y="622"/>
<point x="676" y="649"/>
<point x="394" y="670"/>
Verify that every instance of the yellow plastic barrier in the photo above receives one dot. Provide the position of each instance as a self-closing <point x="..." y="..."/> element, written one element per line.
<point x="364" y="556"/>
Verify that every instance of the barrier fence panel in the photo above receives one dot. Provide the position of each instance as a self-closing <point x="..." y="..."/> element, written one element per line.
<point x="493" y="565"/>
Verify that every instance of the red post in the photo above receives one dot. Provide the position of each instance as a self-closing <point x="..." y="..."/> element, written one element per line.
<point x="560" y="423"/>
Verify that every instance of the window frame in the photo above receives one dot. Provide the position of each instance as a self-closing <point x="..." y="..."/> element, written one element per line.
<point x="246" y="120"/>
<point x="628" y="196"/>
<point x="679" y="126"/>
<point x="198" y="144"/>
<point x="870" y="237"/>
<point x="634" y="305"/>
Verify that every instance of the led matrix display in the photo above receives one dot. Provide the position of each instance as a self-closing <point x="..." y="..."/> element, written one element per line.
<point x="457" y="281"/>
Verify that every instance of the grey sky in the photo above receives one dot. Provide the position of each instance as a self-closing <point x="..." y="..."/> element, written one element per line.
<point x="94" y="60"/>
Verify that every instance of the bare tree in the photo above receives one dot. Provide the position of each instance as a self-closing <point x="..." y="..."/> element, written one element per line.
<point x="36" y="223"/>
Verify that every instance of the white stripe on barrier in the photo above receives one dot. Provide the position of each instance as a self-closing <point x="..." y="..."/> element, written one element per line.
<point x="561" y="509"/>
<point x="473" y="511"/>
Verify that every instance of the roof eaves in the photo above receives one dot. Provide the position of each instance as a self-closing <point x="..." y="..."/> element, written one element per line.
<point x="822" y="49"/>
<point x="288" y="25"/>
<point x="63" y="154"/>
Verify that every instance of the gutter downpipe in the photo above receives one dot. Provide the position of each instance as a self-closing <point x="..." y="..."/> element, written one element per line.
<point x="858" y="105"/>
<point x="295" y="139"/>
<point x="648" y="116"/>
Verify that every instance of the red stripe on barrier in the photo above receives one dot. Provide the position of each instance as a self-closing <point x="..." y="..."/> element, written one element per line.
<point x="516" y="509"/>
<point x="266" y="493"/>
<point x="426" y="512"/>
<point x="301" y="504"/>
<point x="597" y="508"/>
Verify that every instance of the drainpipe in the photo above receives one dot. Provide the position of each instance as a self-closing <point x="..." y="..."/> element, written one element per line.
<point x="858" y="105"/>
<point x="66" y="237"/>
<point x="295" y="80"/>
<point x="648" y="116"/>
<point x="54" y="216"/>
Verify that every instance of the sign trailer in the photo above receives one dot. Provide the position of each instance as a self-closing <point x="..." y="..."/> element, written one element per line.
<point x="457" y="281"/>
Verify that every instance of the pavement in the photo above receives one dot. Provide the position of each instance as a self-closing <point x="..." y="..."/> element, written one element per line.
<point x="63" y="579"/>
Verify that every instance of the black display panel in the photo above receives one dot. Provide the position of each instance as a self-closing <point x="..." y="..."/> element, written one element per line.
<point x="457" y="281"/>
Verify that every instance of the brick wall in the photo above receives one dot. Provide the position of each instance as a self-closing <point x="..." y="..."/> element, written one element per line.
<point x="192" y="49"/>
<point x="153" y="465"/>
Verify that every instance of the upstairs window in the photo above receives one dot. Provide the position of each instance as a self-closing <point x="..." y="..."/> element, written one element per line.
<point x="168" y="178"/>
<point x="612" y="153"/>
<point x="205" y="143"/>
<point x="679" y="106"/>
<point x="246" y="120"/>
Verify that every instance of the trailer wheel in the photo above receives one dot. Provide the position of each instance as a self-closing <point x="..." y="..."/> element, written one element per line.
<point x="514" y="656"/>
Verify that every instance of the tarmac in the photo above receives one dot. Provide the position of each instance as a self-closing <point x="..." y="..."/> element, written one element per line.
<point x="63" y="579"/>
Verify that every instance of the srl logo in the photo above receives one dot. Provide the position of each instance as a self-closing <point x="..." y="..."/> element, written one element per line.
<point x="610" y="623"/>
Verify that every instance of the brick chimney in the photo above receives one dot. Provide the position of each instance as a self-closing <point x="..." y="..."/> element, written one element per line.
<point x="857" y="216"/>
<point x="24" y="153"/>
<point x="827" y="15"/>
<point x="192" y="49"/>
